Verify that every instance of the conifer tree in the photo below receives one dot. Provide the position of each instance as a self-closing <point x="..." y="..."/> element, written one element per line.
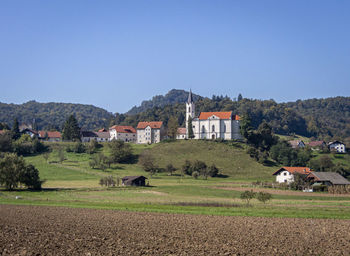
<point x="71" y="130"/>
<point x="15" y="130"/>
<point x="190" y="130"/>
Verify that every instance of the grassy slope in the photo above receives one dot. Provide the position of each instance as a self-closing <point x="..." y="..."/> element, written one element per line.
<point x="75" y="184"/>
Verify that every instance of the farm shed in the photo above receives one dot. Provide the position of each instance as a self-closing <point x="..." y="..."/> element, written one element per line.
<point x="327" y="178"/>
<point x="134" y="181"/>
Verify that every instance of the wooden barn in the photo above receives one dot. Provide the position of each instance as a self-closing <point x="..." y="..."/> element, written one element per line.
<point x="134" y="181"/>
<point x="327" y="178"/>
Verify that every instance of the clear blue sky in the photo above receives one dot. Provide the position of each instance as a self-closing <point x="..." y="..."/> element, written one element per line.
<point x="114" y="54"/>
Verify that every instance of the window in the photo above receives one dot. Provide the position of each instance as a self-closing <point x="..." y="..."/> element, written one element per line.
<point x="213" y="128"/>
<point x="224" y="127"/>
<point x="285" y="181"/>
<point x="189" y="109"/>
<point x="285" y="174"/>
<point x="203" y="129"/>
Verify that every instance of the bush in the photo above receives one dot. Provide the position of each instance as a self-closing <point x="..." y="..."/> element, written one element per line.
<point x="108" y="181"/>
<point x="247" y="196"/>
<point x="263" y="197"/>
<point x="121" y="152"/>
<point x="320" y="188"/>
<point x="77" y="147"/>
<point x="195" y="174"/>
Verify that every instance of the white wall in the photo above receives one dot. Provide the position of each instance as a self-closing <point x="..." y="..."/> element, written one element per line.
<point x="284" y="177"/>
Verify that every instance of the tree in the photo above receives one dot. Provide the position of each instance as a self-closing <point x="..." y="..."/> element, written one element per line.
<point x="213" y="171"/>
<point x="30" y="177"/>
<point x="147" y="161"/>
<point x="71" y="130"/>
<point x="121" y="152"/>
<point x="170" y="169"/>
<point x="190" y="129"/>
<point x="15" y="130"/>
<point x="263" y="197"/>
<point x="172" y="127"/>
<point x="186" y="168"/>
<point x="246" y="127"/>
<point x="60" y="155"/>
<point x="6" y="144"/>
<point x="240" y="97"/>
<point x="299" y="182"/>
<point x="247" y="196"/>
<point x="46" y="156"/>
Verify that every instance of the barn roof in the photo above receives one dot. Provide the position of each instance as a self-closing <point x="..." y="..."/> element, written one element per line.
<point x="292" y="170"/>
<point x="132" y="178"/>
<point x="333" y="177"/>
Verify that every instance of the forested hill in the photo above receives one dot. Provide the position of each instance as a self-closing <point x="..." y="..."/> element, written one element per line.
<point x="322" y="118"/>
<point x="172" y="97"/>
<point x="53" y="115"/>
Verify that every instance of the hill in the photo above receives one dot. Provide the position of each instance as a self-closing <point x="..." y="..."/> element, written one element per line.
<point x="53" y="115"/>
<point x="172" y="97"/>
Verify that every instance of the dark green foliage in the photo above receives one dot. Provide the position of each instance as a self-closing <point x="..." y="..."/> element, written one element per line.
<point x="247" y="196"/>
<point x="26" y="145"/>
<point x="190" y="129"/>
<point x="13" y="171"/>
<point x="99" y="161"/>
<point x="240" y="97"/>
<point x="147" y="161"/>
<point x="108" y="181"/>
<point x="120" y="152"/>
<point x="284" y="154"/>
<point x="172" y="127"/>
<point x="186" y="168"/>
<point x="6" y="142"/>
<point x="299" y="182"/>
<point x="4" y="126"/>
<point x="323" y="164"/>
<point x="71" y="130"/>
<point x="263" y="197"/>
<point x="213" y="171"/>
<point x="60" y="155"/>
<point x="51" y="116"/>
<point x="195" y="174"/>
<point x="77" y="147"/>
<point x="15" y="130"/>
<point x="92" y="147"/>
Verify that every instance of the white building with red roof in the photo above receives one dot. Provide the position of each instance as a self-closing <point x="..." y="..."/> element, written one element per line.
<point x="286" y="174"/>
<point x="124" y="133"/>
<point x="212" y="125"/>
<point x="150" y="132"/>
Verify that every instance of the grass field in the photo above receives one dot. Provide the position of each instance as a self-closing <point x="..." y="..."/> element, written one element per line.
<point x="74" y="184"/>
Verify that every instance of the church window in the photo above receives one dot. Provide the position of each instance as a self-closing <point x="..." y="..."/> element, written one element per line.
<point x="224" y="127"/>
<point x="189" y="109"/>
<point x="213" y="128"/>
<point x="203" y="129"/>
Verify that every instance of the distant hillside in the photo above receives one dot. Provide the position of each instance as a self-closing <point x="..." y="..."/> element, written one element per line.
<point x="53" y="115"/>
<point x="172" y="97"/>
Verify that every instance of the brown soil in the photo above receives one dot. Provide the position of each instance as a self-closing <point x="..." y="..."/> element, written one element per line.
<point x="32" y="230"/>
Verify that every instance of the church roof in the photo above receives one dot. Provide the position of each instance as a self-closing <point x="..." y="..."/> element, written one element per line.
<point x="190" y="97"/>
<point x="220" y="115"/>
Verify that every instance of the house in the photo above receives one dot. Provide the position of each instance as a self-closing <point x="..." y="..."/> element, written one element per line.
<point x="30" y="132"/>
<point x="297" y="144"/>
<point x="124" y="133"/>
<point x="181" y="134"/>
<point x="150" y="132"/>
<point x="87" y="136"/>
<point x="134" y="181"/>
<point x="337" y="146"/>
<point x="316" y="145"/>
<point x="327" y="178"/>
<point x="50" y="136"/>
<point x="212" y="125"/>
<point x="103" y="130"/>
<point x="286" y="174"/>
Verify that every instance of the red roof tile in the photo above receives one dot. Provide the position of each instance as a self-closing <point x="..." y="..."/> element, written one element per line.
<point x="153" y="125"/>
<point x="316" y="143"/>
<point x="301" y="170"/>
<point x="221" y="115"/>
<point x="181" y="131"/>
<point x="49" y="134"/>
<point x="123" y="129"/>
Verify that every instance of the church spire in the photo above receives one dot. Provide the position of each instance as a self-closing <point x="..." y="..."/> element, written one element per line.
<point x="190" y="97"/>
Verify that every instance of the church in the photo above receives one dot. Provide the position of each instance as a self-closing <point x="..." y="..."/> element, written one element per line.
<point x="212" y="125"/>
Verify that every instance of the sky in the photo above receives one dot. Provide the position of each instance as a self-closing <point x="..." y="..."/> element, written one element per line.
<point x="115" y="54"/>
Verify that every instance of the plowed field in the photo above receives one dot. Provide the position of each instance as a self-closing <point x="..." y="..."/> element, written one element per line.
<point x="30" y="230"/>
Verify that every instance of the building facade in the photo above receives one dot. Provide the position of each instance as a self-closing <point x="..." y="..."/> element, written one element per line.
<point x="212" y="125"/>
<point x="124" y="133"/>
<point x="150" y="132"/>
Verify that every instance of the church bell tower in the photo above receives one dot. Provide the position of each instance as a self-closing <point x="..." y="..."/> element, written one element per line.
<point x="190" y="109"/>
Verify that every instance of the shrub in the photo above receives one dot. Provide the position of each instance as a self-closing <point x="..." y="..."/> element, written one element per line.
<point x="107" y="181"/>
<point x="263" y="197"/>
<point x="195" y="174"/>
<point x="247" y="196"/>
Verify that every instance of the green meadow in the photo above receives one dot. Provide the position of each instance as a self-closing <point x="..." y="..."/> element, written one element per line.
<point x="74" y="184"/>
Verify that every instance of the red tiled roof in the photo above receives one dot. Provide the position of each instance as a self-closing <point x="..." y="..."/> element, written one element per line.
<point x="153" y="125"/>
<point x="102" y="130"/>
<point x="49" y="134"/>
<point x="123" y="129"/>
<point x="301" y="170"/>
<point x="221" y="115"/>
<point x="316" y="143"/>
<point x="181" y="131"/>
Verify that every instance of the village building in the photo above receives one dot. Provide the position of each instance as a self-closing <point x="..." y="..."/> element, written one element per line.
<point x="337" y="146"/>
<point x="150" y="132"/>
<point x="124" y="133"/>
<point x="87" y="136"/>
<point x="134" y="181"/>
<point x="30" y="132"/>
<point x="286" y="174"/>
<point x="327" y="178"/>
<point x="50" y="136"/>
<point x="297" y="144"/>
<point x="316" y="145"/>
<point x="181" y="134"/>
<point x="212" y="125"/>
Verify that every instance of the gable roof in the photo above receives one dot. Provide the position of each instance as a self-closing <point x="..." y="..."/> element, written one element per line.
<point x="333" y="177"/>
<point x="181" y="130"/>
<point x="49" y="134"/>
<point x="292" y="170"/>
<point x="335" y="142"/>
<point x="102" y="130"/>
<point x="153" y="125"/>
<point x="130" y="178"/>
<point x="104" y="135"/>
<point x="88" y="134"/>
<point x="317" y="143"/>
<point x="220" y="115"/>
<point x="295" y="143"/>
<point x="123" y="129"/>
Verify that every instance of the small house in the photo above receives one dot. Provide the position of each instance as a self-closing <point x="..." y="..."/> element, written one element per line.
<point x="134" y="181"/>
<point x="124" y="133"/>
<point x="286" y="174"/>
<point x="337" y="146"/>
<point x="50" y="136"/>
<point x="327" y="178"/>
<point x="317" y="145"/>
<point x="30" y="132"/>
<point x="297" y="144"/>
<point x="181" y="134"/>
